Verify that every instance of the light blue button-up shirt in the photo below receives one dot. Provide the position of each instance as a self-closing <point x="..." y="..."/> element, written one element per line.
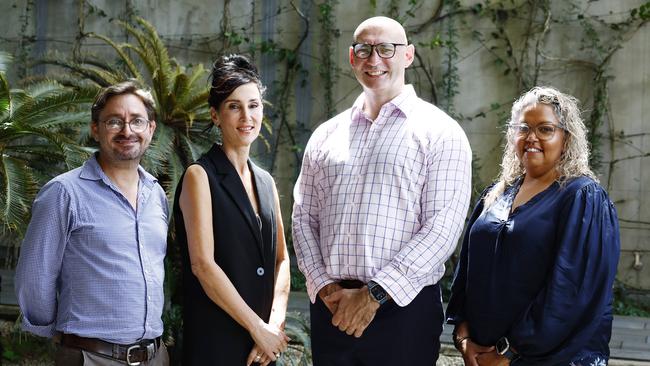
<point x="90" y="264"/>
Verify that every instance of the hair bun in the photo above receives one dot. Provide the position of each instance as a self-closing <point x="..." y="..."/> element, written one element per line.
<point x="234" y="62"/>
<point x="230" y="72"/>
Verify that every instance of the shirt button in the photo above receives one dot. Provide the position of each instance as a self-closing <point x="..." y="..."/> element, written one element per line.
<point x="260" y="271"/>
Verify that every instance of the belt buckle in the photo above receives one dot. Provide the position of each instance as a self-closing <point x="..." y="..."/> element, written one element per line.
<point x="128" y="355"/>
<point x="151" y="350"/>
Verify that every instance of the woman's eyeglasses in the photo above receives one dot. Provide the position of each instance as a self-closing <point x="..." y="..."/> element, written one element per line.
<point x="543" y="131"/>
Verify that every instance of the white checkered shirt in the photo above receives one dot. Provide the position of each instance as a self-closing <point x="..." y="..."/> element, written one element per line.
<point x="383" y="200"/>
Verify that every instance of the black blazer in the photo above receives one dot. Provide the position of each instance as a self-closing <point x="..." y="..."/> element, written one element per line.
<point x="245" y="252"/>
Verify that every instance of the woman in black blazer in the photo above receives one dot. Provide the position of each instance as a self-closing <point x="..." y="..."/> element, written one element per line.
<point x="228" y="224"/>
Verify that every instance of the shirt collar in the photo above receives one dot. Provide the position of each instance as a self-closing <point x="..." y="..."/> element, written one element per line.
<point x="91" y="170"/>
<point x="404" y="101"/>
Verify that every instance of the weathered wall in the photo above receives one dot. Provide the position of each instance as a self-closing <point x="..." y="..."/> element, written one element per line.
<point x="191" y="29"/>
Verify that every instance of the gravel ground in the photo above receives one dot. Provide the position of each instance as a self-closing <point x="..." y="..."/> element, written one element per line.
<point x="449" y="356"/>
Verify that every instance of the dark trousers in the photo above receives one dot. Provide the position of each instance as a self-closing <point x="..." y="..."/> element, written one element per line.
<point x="397" y="335"/>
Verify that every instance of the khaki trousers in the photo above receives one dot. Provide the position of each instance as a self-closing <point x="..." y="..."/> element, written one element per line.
<point x="66" y="356"/>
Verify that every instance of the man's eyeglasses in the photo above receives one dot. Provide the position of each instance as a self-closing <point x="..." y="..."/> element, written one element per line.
<point x="384" y="50"/>
<point x="137" y="125"/>
<point x="543" y="131"/>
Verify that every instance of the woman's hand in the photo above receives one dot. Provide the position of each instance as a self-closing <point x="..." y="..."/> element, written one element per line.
<point x="270" y="341"/>
<point x="258" y="356"/>
<point x="471" y="352"/>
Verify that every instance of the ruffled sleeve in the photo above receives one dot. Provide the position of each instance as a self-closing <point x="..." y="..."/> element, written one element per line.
<point x="568" y="311"/>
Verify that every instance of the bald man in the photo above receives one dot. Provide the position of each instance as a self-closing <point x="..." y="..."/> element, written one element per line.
<point x="379" y="205"/>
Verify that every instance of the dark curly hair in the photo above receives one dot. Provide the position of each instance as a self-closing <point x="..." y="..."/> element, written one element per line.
<point x="228" y="73"/>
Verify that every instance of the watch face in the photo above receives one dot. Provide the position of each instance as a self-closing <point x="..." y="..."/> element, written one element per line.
<point x="378" y="293"/>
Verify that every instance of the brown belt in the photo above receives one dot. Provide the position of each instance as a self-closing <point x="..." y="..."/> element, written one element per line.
<point x="132" y="354"/>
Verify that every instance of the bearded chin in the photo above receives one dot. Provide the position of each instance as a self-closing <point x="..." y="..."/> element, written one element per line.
<point x="131" y="154"/>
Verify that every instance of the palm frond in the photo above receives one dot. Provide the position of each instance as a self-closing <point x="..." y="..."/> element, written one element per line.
<point x="123" y="56"/>
<point x="5" y="97"/>
<point x="160" y="150"/>
<point x="198" y="72"/>
<point x="40" y="108"/>
<point x="160" y="50"/>
<point x="5" y="60"/>
<point x="19" y="190"/>
<point x="73" y="154"/>
<point x="175" y="169"/>
<point x="142" y="48"/>
<point x="161" y="77"/>
<point x="64" y="120"/>
<point x="101" y="77"/>
<point x="91" y="59"/>
<point x="43" y="87"/>
<point x="181" y="88"/>
<point x="197" y="101"/>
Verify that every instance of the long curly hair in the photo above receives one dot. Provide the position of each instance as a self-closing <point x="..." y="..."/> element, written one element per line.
<point x="574" y="161"/>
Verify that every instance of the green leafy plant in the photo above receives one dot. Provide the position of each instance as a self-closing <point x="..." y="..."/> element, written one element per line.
<point x="35" y="143"/>
<point x="625" y="304"/>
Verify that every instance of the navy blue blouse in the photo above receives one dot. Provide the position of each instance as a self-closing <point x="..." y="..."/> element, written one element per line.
<point x="542" y="275"/>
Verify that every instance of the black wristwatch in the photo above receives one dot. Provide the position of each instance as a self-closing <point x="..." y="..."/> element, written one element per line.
<point x="377" y="292"/>
<point x="503" y="348"/>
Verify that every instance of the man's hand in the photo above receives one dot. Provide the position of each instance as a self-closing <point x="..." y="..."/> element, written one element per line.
<point x="355" y="310"/>
<point x="328" y="290"/>
<point x="492" y="359"/>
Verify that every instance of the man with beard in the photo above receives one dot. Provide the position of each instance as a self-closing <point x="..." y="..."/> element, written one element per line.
<point x="90" y="273"/>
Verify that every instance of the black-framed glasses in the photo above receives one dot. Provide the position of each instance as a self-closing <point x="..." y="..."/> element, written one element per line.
<point x="384" y="50"/>
<point x="137" y="125"/>
<point x="543" y="131"/>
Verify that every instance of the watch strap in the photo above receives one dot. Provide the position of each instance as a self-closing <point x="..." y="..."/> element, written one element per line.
<point x="504" y="349"/>
<point x="510" y="354"/>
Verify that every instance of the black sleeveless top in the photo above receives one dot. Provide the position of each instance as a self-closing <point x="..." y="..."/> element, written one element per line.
<point x="244" y="248"/>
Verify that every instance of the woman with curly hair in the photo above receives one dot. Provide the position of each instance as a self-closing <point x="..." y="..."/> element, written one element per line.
<point x="534" y="282"/>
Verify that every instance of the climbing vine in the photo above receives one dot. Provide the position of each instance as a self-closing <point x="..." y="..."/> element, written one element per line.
<point x="450" y="78"/>
<point x="327" y="68"/>
<point x="26" y="41"/>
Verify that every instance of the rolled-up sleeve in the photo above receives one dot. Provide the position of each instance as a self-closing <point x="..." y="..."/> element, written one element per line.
<point x="41" y="255"/>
